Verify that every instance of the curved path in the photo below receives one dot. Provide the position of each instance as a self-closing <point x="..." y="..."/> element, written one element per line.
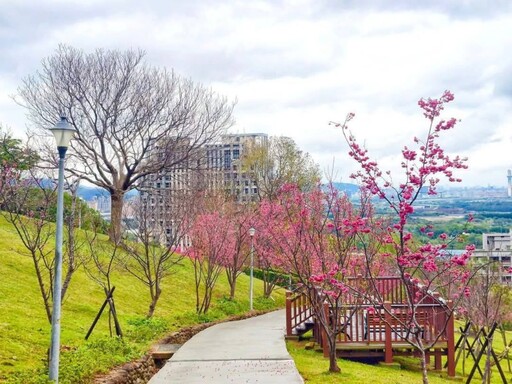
<point x="246" y="351"/>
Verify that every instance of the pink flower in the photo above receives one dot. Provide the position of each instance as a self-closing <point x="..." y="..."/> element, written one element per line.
<point x="408" y="154"/>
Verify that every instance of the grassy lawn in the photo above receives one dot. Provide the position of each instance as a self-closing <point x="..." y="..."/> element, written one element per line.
<point x="314" y="369"/>
<point x="25" y="331"/>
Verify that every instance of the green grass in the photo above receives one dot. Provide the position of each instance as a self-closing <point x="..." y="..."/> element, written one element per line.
<point x="25" y="331"/>
<point x="314" y="368"/>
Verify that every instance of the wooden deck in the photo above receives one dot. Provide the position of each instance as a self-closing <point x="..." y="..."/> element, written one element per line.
<point x="380" y="330"/>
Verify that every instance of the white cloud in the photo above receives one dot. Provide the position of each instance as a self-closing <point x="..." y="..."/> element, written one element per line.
<point x="294" y="65"/>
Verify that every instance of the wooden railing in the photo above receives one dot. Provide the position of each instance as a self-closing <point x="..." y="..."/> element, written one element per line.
<point x="298" y="311"/>
<point x="383" y="288"/>
<point x="382" y="325"/>
<point x="367" y="324"/>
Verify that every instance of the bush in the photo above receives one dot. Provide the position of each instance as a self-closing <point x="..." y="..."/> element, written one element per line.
<point x="283" y="279"/>
<point x="143" y="329"/>
<point x="79" y="365"/>
<point x="228" y="306"/>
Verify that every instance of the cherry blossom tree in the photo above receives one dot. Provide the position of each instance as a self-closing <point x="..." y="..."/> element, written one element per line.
<point x="212" y="244"/>
<point x="266" y="252"/>
<point x="239" y="217"/>
<point x="16" y="157"/>
<point x="419" y="265"/>
<point x="313" y="234"/>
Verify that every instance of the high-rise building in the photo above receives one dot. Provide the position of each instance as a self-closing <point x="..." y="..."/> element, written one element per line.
<point x="215" y="167"/>
<point x="101" y="204"/>
<point x="224" y="168"/>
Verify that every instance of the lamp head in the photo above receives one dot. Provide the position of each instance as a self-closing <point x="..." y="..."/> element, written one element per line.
<point x="63" y="132"/>
<point x="252" y="232"/>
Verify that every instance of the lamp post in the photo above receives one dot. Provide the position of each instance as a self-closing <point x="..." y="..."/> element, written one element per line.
<point x="63" y="133"/>
<point x="252" y="231"/>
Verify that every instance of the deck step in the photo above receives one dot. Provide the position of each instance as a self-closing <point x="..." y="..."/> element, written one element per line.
<point x="164" y="351"/>
<point x="302" y="328"/>
<point x="310" y="345"/>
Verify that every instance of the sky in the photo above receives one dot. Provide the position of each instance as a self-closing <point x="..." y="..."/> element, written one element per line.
<point x="294" y="65"/>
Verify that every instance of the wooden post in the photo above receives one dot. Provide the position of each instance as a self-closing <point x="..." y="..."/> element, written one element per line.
<point x="109" y="295"/>
<point x="288" y="313"/>
<point x="119" y="332"/>
<point x="388" y="345"/>
<point x="438" y="364"/>
<point x="325" y="344"/>
<point x="450" y="336"/>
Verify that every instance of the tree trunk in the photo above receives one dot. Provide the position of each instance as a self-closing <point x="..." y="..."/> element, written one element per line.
<point x="266" y="284"/>
<point x="424" y="372"/>
<point x="116" y="216"/>
<point x="154" y="301"/>
<point x="71" y="244"/>
<point x="487" y="371"/>
<point x="44" y="294"/>
<point x="232" y="289"/>
<point x="231" y="276"/>
<point x="333" y="363"/>
<point x="269" y="283"/>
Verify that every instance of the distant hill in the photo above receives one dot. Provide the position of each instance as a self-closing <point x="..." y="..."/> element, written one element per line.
<point x="348" y="188"/>
<point x="88" y="192"/>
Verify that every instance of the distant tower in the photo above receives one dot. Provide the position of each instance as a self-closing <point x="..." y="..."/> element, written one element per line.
<point x="509" y="177"/>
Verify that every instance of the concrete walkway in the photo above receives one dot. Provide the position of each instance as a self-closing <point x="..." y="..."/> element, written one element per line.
<point x="246" y="351"/>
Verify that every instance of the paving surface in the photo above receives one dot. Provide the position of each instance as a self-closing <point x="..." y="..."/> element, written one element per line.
<point x="246" y="351"/>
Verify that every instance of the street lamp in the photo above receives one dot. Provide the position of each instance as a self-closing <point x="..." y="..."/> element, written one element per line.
<point x="252" y="231"/>
<point x="63" y="133"/>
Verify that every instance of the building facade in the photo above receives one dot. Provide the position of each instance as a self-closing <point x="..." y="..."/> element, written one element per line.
<point x="497" y="248"/>
<point x="224" y="167"/>
<point x="168" y="196"/>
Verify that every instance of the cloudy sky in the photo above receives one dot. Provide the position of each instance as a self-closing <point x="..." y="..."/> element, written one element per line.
<point x="295" y="65"/>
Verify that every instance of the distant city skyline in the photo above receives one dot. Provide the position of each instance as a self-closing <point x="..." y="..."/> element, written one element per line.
<point x="295" y="65"/>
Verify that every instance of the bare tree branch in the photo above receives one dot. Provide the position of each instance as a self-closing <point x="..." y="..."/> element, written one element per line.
<point x="129" y="116"/>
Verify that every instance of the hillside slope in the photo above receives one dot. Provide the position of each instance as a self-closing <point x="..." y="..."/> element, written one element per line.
<point x="25" y="332"/>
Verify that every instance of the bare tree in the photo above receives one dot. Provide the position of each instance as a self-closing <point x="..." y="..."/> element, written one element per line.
<point x="100" y="261"/>
<point x="159" y="236"/>
<point x="489" y="303"/>
<point x="72" y="216"/>
<point x="277" y="162"/>
<point x="25" y="207"/>
<point x="129" y="116"/>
